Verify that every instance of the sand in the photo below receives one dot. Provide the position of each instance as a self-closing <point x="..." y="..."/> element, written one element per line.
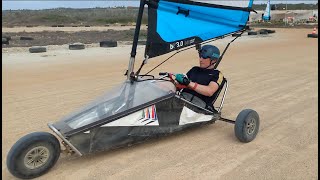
<point x="275" y="75"/>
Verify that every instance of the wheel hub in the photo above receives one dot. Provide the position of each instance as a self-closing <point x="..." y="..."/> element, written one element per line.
<point x="36" y="157"/>
<point x="251" y="125"/>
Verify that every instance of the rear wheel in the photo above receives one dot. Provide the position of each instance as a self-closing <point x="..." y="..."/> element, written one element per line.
<point x="247" y="125"/>
<point x="33" y="155"/>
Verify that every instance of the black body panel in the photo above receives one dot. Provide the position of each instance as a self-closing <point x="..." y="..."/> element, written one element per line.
<point x="106" y="138"/>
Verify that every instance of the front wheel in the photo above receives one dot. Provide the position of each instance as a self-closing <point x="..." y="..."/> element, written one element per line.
<point x="247" y="125"/>
<point x="33" y="155"/>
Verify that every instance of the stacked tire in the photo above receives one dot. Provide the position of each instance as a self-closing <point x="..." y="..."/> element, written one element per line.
<point x="23" y="38"/>
<point x="6" y="39"/>
<point x="76" y="46"/>
<point x="108" y="43"/>
<point x="37" y="49"/>
<point x="250" y="33"/>
<point x="269" y="31"/>
<point x="312" y="36"/>
<point x="264" y="32"/>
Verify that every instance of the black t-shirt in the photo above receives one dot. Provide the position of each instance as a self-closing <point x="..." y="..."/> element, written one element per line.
<point x="204" y="77"/>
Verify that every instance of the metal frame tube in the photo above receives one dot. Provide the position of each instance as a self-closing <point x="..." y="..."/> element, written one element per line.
<point x="224" y="95"/>
<point x="227" y="120"/>
<point x="135" y="40"/>
<point x="64" y="139"/>
<point x="193" y="104"/>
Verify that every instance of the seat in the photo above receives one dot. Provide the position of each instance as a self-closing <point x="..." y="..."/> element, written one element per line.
<point x="199" y="102"/>
<point x="223" y="84"/>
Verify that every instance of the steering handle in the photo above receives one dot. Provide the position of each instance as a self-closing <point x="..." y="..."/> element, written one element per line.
<point x="170" y="75"/>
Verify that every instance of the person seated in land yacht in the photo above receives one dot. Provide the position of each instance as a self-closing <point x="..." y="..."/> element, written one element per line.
<point x="202" y="81"/>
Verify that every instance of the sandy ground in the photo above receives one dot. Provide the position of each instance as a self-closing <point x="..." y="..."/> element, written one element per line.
<point x="276" y="75"/>
<point x="68" y="29"/>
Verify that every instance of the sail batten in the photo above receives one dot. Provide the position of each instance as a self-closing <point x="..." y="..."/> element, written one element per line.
<point x="175" y="24"/>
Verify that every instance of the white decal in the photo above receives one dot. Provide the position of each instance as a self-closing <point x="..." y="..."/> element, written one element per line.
<point x="179" y="44"/>
<point x="176" y="45"/>
<point x="171" y="46"/>
<point x="146" y="117"/>
<point x="188" y="116"/>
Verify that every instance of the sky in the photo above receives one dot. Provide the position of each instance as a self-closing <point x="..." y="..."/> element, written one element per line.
<point x="47" y="4"/>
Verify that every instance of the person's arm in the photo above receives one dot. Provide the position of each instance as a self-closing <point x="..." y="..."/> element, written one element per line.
<point x="204" y="90"/>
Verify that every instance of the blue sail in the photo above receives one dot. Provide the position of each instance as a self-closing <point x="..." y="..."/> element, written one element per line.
<point x="266" y="15"/>
<point x="175" y="24"/>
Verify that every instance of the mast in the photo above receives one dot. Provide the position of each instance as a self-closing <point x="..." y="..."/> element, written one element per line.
<point x="135" y="41"/>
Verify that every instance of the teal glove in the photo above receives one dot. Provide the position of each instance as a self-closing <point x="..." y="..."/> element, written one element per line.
<point x="182" y="79"/>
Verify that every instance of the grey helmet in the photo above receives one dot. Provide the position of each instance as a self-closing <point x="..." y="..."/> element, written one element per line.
<point x="209" y="51"/>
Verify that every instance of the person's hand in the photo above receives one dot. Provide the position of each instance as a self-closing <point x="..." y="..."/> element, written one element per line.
<point x="182" y="79"/>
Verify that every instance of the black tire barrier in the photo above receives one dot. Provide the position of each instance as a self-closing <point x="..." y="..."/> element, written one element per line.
<point x="263" y="32"/>
<point x="74" y="26"/>
<point x="108" y="43"/>
<point x="5" y="41"/>
<point x="54" y="26"/>
<point x="37" y="49"/>
<point x="236" y="35"/>
<point x="76" y="46"/>
<point x="7" y="37"/>
<point x="60" y="25"/>
<point x="29" y="26"/>
<point x="312" y="36"/>
<point x="271" y="31"/>
<point x="86" y="26"/>
<point x="268" y="30"/>
<point x="107" y="25"/>
<point x="252" y="33"/>
<point x="26" y="38"/>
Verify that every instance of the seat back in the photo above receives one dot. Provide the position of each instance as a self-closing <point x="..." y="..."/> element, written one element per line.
<point x="199" y="102"/>
<point x="217" y="93"/>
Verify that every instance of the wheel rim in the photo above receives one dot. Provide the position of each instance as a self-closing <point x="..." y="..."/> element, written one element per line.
<point x="36" y="157"/>
<point x="251" y="125"/>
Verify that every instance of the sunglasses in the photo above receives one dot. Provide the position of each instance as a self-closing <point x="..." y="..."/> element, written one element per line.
<point x="204" y="56"/>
